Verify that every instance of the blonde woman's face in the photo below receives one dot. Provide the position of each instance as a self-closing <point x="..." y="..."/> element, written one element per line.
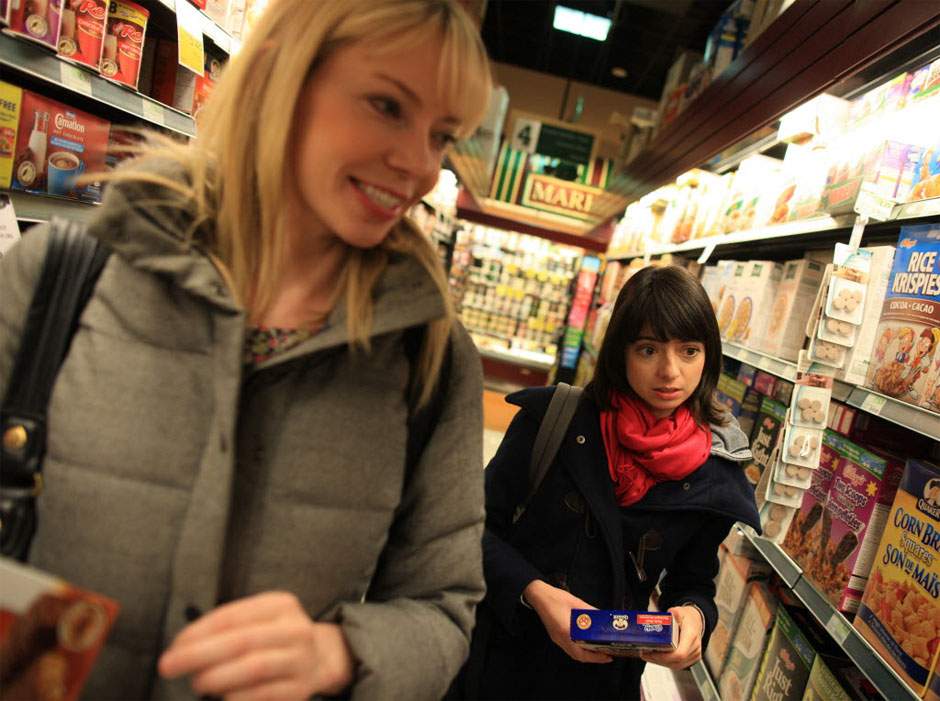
<point x="371" y="134"/>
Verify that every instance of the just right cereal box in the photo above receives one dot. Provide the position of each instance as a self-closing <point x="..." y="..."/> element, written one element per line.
<point x="900" y="610"/>
<point x="905" y="362"/>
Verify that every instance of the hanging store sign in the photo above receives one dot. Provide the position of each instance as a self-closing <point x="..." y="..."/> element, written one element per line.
<point x="553" y="140"/>
<point x="559" y="196"/>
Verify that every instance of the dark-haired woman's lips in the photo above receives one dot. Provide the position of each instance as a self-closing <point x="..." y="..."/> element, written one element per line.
<point x="668" y="392"/>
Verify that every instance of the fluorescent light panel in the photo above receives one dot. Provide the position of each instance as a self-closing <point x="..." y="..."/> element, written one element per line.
<point x="581" y="23"/>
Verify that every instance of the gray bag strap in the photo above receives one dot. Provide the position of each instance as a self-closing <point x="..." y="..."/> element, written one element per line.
<point x="561" y="410"/>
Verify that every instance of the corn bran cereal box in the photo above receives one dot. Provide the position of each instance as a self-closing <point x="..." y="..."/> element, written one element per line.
<point x="748" y="644"/>
<point x="899" y="613"/>
<point x="933" y="691"/>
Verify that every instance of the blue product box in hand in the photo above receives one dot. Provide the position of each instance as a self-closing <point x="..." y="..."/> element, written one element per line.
<point x="623" y="633"/>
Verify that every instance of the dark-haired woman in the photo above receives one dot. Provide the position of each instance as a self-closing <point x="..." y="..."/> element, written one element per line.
<point x="645" y="486"/>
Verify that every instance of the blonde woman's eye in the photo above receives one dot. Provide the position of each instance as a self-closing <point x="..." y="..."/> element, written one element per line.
<point x="443" y="140"/>
<point x="386" y="106"/>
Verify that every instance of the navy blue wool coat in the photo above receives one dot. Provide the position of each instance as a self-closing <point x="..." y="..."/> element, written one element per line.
<point x="575" y="535"/>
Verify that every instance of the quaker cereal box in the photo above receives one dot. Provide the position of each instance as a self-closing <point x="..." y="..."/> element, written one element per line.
<point x="787" y="662"/>
<point x="764" y="439"/>
<point x="792" y="305"/>
<point x="733" y="579"/>
<point x="823" y="684"/>
<point x="50" y="633"/>
<point x="748" y="644"/>
<point x="123" y="42"/>
<point x="900" y="610"/>
<point x="862" y="489"/>
<point x="36" y="20"/>
<point x="623" y="633"/>
<point x="11" y="98"/>
<point x="905" y="362"/>
<point x="54" y="145"/>
<point x="81" y="32"/>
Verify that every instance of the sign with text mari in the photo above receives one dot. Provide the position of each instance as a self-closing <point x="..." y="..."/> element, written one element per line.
<point x="559" y="196"/>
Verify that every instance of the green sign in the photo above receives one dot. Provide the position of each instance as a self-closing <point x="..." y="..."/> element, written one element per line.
<point x="568" y="145"/>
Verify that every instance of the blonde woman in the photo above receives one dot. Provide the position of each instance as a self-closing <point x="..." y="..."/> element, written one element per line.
<point x="227" y="452"/>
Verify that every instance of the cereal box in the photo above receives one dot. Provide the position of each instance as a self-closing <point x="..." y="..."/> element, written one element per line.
<point x="787" y="662"/>
<point x="899" y="613"/>
<point x="754" y="307"/>
<point x="733" y="292"/>
<point x="889" y="167"/>
<point x="123" y="42"/>
<point x="55" y="144"/>
<point x="50" y="633"/>
<point x="765" y="438"/>
<point x="822" y="684"/>
<point x="733" y="579"/>
<point x="905" y="359"/>
<point x="748" y="644"/>
<point x="81" y="33"/>
<point x="791" y="308"/>
<point x="862" y="489"/>
<point x="36" y="20"/>
<point x="623" y="633"/>
<point x="11" y="98"/>
<point x="933" y="689"/>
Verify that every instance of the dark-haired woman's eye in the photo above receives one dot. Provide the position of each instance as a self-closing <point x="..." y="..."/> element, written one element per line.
<point x="692" y="351"/>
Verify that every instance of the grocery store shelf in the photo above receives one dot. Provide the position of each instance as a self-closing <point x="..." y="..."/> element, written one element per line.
<point x="869" y="662"/>
<point x="31" y="59"/>
<point x="761" y="361"/>
<point x="210" y="29"/>
<point x="901" y="413"/>
<point x="704" y="682"/>
<point x="529" y="359"/>
<point x="35" y="209"/>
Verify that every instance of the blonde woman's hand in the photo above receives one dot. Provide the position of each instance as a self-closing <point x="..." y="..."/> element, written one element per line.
<point x="689" y="650"/>
<point x="553" y="605"/>
<point x="261" y="647"/>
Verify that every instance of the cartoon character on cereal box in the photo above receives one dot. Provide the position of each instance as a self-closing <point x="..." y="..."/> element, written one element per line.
<point x="891" y="376"/>
<point x="923" y="355"/>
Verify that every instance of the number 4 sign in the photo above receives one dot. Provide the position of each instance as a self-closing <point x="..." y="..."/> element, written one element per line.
<point x="525" y="134"/>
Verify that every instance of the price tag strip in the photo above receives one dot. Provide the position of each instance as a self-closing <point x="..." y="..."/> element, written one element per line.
<point x="75" y="78"/>
<point x="153" y="112"/>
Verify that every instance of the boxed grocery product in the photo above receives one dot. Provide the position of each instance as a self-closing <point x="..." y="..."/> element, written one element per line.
<point x="762" y="283"/>
<point x="786" y="664"/>
<point x="926" y="179"/>
<point x="808" y="168"/>
<point x="791" y="307"/>
<point x="730" y="393"/>
<point x="862" y="489"/>
<point x="764" y="383"/>
<point x="888" y="167"/>
<point x="54" y="145"/>
<point x="748" y="644"/>
<point x="50" y="633"/>
<point x="735" y="575"/>
<point x="925" y="82"/>
<point x="775" y="519"/>
<point x="731" y="296"/>
<point x="765" y="438"/>
<point x="821" y="116"/>
<point x="11" y="97"/>
<point x="823" y="685"/>
<point x="623" y="633"/>
<point x="124" y="41"/>
<point x="908" y="334"/>
<point x="899" y="614"/>
<point x="783" y="390"/>
<point x="933" y="689"/>
<point x="36" y="20"/>
<point x="82" y="29"/>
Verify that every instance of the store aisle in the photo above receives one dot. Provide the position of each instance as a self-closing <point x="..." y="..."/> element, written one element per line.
<point x="497" y="415"/>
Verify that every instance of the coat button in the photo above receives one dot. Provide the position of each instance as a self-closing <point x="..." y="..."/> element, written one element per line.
<point x="686" y="486"/>
<point x="575" y="502"/>
<point x="581" y="440"/>
<point x="191" y="613"/>
<point x="223" y="442"/>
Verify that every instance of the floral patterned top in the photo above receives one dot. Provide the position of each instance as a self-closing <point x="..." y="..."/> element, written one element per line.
<point x="264" y="342"/>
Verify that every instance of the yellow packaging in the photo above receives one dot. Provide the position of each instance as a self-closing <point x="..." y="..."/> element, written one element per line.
<point x="11" y="97"/>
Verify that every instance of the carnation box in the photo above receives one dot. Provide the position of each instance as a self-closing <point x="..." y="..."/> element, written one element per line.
<point x="748" y="644"/>
<point x="904" y="363"/>
<point x="36" y="20"/>
<point x="731" y="587"/>
<point x="55" y="144"/>
<point x="790" y="309"/>
<point x="50" y="633"/>
<point x="81" y="33"/>
<point x="623" y="633"/>
<point x="899" y="614"/>
<point x="863" y="486"/>
<point x="787" y="662"/>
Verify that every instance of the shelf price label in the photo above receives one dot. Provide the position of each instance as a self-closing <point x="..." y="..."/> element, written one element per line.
<point x="153" y="112"/>
<point x="838" y="627"/>
<point x="189" y="23"/>
<point x="872" y="204"/>
<point x="75" y="78"/>
<point x="874" y="403"/>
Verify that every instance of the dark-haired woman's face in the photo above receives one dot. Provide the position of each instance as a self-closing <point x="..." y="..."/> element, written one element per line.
<point x="664" y="373"/>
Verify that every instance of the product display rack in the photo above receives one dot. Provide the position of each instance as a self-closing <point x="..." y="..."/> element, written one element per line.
<point x="210" y="29"/>
<point x="35" y="208"/>
<point x="869" y="662"/>
<point x="704" y="682"/>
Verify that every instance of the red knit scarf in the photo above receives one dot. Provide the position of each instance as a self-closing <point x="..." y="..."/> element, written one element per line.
<point x="643" y="450"/>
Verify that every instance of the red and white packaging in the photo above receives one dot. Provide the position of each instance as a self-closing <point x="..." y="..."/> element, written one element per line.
<point x="4" y="12"/>
<point x="36" y="20"/>
<point x="81" y="31"/>
<point x="124" y="42"/>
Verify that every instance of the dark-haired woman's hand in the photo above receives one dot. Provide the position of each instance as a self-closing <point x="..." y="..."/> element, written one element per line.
<point x="553" y="605"/>
<point x="689" y="650"/>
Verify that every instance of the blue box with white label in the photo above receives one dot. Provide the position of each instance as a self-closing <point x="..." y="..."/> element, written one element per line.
<point x="623" y="633"/>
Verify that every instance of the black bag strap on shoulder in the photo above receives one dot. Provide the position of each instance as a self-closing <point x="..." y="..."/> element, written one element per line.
<point x="561" y="409"/>
<point x="72" y="265"/>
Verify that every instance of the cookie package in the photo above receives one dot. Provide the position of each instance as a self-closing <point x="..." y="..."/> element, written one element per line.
<point x="623" y="633"/>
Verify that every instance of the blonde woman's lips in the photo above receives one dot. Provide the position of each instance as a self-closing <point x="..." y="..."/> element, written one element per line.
<point x="382" y="201"/>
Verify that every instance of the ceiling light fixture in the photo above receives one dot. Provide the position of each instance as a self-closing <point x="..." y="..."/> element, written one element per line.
<point x="618" y="72"/>
<point x="581" y="23"/>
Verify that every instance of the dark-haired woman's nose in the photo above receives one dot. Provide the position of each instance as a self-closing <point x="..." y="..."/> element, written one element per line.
<point x="668" y="367"/>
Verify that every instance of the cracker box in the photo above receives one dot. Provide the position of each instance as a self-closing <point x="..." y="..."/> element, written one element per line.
<point x="81" y="32"/>
<point x="766" y="435"/>
<point x="791" y="308"/>
<point x="623" y="633"/>
<point x="50" y="633"/>
<point x="748" y="644"/>
<point x="899" y="613"/>
<point x="36" y="20"/>
<point x="124" y="42"/>
<point x="905" y="356"/>
<point x="731" y="587"/>
<point x="787" y="662"/>
<point x="823" y="685"/>
<point x="860" y="496"/>
<point x="55" y="144"/>
<point x="753" y="310"/>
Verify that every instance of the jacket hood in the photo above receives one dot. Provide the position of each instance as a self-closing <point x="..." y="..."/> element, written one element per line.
<point x="147" y="225"/>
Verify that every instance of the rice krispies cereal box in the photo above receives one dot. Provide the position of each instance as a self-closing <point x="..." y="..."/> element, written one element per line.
<point x="50" y="633"/>
<point x="748" y="644"/>
<point x="863" y="486"/>
<point x="906" y="362"/>
<point x="623" y="633"/>
<point x="792" y="305"/>
<point x="787" y="662"/>
<point x="731" y="587"/>
<point x="899" y="614"/>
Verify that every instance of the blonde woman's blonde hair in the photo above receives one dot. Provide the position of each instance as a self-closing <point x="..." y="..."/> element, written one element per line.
<point x="236" y="165"/>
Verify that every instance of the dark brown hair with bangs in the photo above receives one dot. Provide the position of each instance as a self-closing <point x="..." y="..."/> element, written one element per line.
<point x="673" y="306"/>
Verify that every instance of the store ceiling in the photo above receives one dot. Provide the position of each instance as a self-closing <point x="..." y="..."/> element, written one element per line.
<point x="644" y="39"/>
